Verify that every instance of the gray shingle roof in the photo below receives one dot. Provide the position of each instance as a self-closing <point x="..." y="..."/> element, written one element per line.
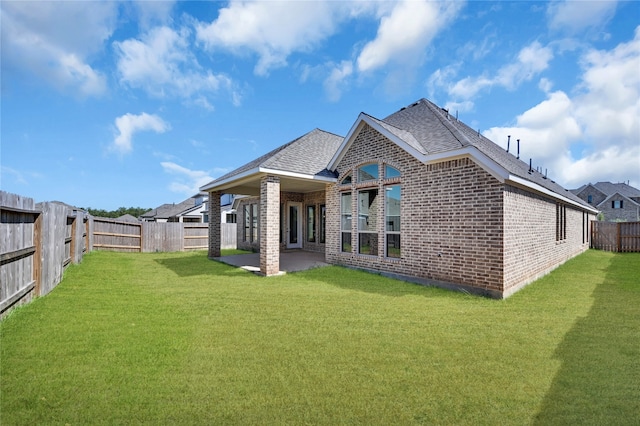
<point x="309" y="154"/>
<point x="438" y="132"/>
<point x="609" y="188"/>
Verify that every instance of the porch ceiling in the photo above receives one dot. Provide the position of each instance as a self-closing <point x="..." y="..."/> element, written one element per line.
<point x="250" y="185"/>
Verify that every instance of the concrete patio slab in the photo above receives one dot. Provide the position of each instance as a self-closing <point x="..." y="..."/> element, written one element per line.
<point x="290" y="261"/>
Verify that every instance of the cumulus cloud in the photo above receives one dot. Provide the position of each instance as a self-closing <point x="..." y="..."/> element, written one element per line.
<point x="572" y="17"/>
<point x="54" y="40"/>
<point x="188" y="181"/>
<point x="334" y="84"/>
<point x="531" y="60"/>
<point x="406" y="32"/>
<point x="129" y="124"/>
<point x="161" y="64"/>
<point x="594" y="135"/>
<point x="272" y="30"/>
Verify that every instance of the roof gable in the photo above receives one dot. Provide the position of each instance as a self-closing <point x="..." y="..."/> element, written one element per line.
<point x="430" y="134"/>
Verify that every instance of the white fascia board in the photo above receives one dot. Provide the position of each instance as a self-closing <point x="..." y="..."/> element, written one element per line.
<point x="230" y="179"/>
<point x="476" y="155"/>
<point x="499" y="172"/>
<point x="534" y="186"/>
<point x="345" y="143"/>
<point x="355" y="129"/>
<point x="296" y="175"/>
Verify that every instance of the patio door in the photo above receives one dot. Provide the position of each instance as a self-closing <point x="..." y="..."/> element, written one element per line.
<point x="294" y="225"/>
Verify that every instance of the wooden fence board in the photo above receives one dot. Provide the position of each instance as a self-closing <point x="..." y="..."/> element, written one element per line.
<point x="17" y="249"/>
<point x="616" y="236"/>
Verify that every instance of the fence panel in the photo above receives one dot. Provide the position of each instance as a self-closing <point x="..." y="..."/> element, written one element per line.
<point x="629" y="236"/>
<point x="228" y="236"/>
<point x="162" y="236"/>
<point x="19" y="251"/>
<point x="196" y="237"/>
<point x="115" y="235"/>
<point x="616" y="236"/>
<point x="56" y="241"/>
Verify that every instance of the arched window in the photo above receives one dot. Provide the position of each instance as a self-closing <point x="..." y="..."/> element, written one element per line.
<point x="368" y="172"/>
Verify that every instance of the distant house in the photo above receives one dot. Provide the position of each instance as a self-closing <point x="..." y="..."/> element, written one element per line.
<point x="417" y="195"/>
<point x="616" y="201"/>
<point x="128" y="218"/>
<point x="192" y="210"/>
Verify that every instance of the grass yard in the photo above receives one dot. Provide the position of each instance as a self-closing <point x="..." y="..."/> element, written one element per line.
<point x="174" y="338"/>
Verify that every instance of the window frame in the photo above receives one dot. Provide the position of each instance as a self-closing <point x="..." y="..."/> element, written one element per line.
<point x="370" y="230"/>
<point x="346" y="216"/>
<point x="388" y="232"/>
<point x="311" y="224"/>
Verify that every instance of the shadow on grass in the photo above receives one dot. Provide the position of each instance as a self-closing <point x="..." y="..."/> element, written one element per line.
<point x="195" y="265"/>
<point x="367" y="282"/>
<point x="599" y="379"/>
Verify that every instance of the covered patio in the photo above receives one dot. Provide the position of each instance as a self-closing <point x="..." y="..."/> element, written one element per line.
<point x="290" y="261"/>
<point x="282" y="182"/>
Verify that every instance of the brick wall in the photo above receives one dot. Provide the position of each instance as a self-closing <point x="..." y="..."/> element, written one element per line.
<point x="451" y="221"/>
<point x="531" y="247"/>
<point x="596" y="196"/>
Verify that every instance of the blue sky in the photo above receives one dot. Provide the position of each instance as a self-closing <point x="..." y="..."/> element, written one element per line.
<point x="136" y="104"/>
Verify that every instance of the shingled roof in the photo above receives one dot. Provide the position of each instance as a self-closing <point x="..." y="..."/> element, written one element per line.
<point x="424" y="129"/>
<point x="609" y="188"/>
<point x="307" y="155"/>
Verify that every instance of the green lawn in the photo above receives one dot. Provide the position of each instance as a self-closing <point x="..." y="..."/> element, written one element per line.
<point x="174" y="338"/>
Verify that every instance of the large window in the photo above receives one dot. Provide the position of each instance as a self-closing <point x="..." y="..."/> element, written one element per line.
<point x="368" y="221"/>
<point x="368" y="172"/>
<point x="561" y="222"/>
<point x="323" y="223"/>
<point x="250" y="213"/>
<point x="345" y="222"/>
<point x="392" y="220"/>
<point x="377" y="210"/>
<point x="311" y="224"/>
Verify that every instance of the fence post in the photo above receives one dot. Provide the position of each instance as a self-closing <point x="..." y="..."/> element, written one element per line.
<point x="619" y="236"/>
<point x="37" y="255"/>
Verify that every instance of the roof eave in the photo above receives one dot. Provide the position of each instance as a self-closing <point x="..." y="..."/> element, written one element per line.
<point x="355" y="129"/>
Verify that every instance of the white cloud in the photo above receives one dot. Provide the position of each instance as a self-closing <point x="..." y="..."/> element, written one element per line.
<point x="531" y="60"/>
<point x="189" y="181"/>
<point x="272" y="30"/>
<point x="161" y="64"/>
<point x="129" y="124"/>
<point x="334" y="84"/>
<point x="570" y="16"/>
<point x="52" y="41"/>
<point x="595" y="135"/>
<point x="405" y="32"/>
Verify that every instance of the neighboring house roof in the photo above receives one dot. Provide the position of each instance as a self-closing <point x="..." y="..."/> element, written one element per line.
<point x="128" y="218"/>
<point x="609" y="197"/>
<point x="623" y="189"/>
<point x="166" y="211"/>
<point x="305" y="157"/>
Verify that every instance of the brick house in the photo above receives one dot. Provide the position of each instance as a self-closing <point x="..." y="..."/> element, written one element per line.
<point x="417" y="195"/>
<point x="616" y="201"/>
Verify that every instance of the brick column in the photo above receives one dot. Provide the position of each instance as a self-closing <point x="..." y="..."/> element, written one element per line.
<point x="270" y="225"/>
<point x="214" y="224"/>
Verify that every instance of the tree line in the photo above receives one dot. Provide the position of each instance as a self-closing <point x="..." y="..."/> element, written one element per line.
<point x="133" y="211"/>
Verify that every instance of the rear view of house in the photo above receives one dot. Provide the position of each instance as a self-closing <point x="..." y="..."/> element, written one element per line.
<point x="418" y="195"/>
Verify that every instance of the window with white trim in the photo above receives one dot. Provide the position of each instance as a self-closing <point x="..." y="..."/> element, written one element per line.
<point x="392" y="220"/>
<point x="345" y="222"/>
<point x="368" y="221"/>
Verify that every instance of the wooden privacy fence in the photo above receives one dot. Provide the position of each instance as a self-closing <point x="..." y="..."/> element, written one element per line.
<point x="115" y="235"/>
<point x="39" y="241"/>
<point x="616" y="236"/>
